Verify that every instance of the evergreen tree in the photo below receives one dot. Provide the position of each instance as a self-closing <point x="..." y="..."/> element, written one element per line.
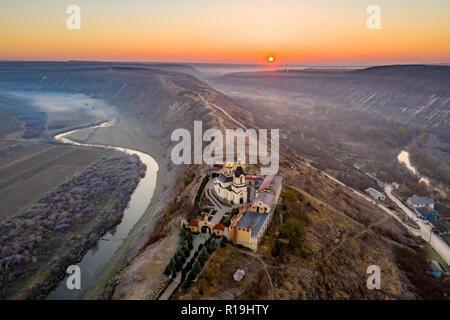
<point x="168" y="270"/>
<point x="183" y="274"/>
<point x="170" y="266"/>
<point x="179" y="261"/>
<point x="197" y="267"/>
<point x="223" y="242"/>
<point x="203" y="255"/>
<point x="186" y="251"/>
<point x="187" y="283"/>
<point x="191" y="276"/>
<point x="189" y="265"/>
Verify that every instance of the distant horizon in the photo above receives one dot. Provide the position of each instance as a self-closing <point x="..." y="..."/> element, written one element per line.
<point x="243" y="63"/>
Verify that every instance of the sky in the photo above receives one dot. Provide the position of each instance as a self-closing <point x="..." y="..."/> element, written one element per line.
<point x="240" y="31"/>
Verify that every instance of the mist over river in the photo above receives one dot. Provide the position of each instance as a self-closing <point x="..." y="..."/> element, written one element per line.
<point x="76" y="109"/>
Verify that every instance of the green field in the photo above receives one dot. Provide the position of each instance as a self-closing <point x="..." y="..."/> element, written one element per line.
<point x="433" y="255"/>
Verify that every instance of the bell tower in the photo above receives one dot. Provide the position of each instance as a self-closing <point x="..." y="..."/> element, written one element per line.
<point x="228" y="169"/>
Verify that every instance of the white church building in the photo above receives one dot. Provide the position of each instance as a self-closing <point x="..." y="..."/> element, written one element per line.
<point x="230" y="184"/>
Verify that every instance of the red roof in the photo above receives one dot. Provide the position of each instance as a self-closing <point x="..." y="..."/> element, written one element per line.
<point x="219" y="226"/>
<point x="193" y="223"/>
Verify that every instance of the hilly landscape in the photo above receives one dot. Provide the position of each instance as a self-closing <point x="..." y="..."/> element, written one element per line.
<point x="145" y="104"/>
<point x="343" y="233"/>
<point x="417" y="94"/>
<point x="411" y="95"/>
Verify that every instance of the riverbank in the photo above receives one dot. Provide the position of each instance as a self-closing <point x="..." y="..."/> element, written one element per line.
<point x="63" y="225"/>
<point x="127" y="132"/>
<point x="96" y="259"/>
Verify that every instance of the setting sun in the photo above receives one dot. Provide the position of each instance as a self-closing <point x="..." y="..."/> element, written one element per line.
<point x="271" y="59"/>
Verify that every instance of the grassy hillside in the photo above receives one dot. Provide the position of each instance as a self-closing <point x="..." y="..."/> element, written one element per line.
<point x="320" y="243"/>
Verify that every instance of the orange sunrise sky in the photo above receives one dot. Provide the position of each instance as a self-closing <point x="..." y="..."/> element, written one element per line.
<point x="320" y="31"/>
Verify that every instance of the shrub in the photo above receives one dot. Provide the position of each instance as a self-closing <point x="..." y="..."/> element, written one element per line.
<point x="170" y="266"/>
<point x="189" y="265"/>
<point x="196" y="267"/>
<point x="185" y="251"/>
<point x="185" y="180"/>
<point x="290" y="195"/>
<point x="212" y="246"/>
<point x="200" y="189"/>
<point x="278" y="249"/>
<point x="168" y="270"/>
<point x="191" y="275"/>
<point x="295" y="232"/>
<point x="179" y="261"/>
<point x="203" y="255"/>
<point x="183" y="274"/>
<point x="187" y="283"/>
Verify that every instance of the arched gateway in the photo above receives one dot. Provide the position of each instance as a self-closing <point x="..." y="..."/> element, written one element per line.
<point x="206" y="229"/>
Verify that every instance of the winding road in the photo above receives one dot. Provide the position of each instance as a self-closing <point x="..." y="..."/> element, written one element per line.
<point x="425" y="230"/>
<point x="223" y="111"/>
<point x="436" y="242"/>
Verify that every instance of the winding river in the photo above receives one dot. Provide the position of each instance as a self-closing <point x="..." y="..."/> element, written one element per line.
<point x="97" y="257"/>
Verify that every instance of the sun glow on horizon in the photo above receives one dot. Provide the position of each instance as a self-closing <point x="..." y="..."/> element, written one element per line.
<point x="226" y="31"/>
